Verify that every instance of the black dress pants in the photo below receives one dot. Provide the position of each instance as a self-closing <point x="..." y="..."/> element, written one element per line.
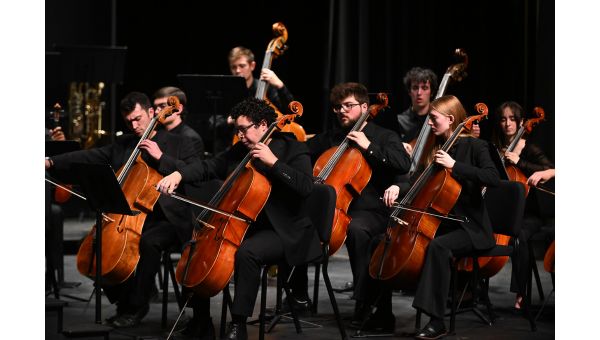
<point x="434" y="283"/>
<point x="260" y="247"/>
<point x="365" y="225"/>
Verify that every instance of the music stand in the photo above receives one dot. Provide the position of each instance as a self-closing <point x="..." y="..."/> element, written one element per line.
<point x="104" y="195"/>
<point x="216" y="94"/>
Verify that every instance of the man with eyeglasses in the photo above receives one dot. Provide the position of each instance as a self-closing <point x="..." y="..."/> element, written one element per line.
<point x="282" y="231"/>
<point x="174" y="123"/>
<point x="387" y="158"/>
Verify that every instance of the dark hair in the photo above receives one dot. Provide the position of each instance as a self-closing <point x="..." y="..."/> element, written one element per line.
<point x="421" y="75"/>
<point x="131" y="99"/>
<point x="498" y="137"/>
<point x="168" y="91"/>
<point x="255" y="109"/>
<point x="345" y="90"/>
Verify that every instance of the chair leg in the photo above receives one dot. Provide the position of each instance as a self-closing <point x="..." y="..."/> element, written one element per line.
<point x="165" y="289"/>
<point x="226" y="304"/>
<point x="418" y="321"/>
<point x="536" y="273"/>
<point x="543" y="305"/>
<point x="453" y="289"/>
<point x="334" y="305"/>
<point x="263" y="302"/>
<point x="315" y="301"/>
<point x="292" y="310"/>
<point x="527" y="297"/>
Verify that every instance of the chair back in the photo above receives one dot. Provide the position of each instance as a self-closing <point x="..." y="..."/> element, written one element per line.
<point x="506" y="205"/>
<point x="320" y="206"/>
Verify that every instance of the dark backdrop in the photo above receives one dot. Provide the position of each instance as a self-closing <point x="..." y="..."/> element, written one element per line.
<point x="510" y="44"/>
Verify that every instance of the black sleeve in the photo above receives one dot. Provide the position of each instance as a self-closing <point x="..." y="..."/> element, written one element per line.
<point x="484" y="171"/>
<point x="387" y="151"/>
<point x="533" y="159"/>
<point x="296" y="173"/>
<point x="203" y="170"/>
<point x="187" y="154"/>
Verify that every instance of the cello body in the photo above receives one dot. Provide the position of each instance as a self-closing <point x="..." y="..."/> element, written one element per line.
<point x="402" y="261"/>
<point x="348" y="183"/>
<point x="210" y="266"/>
<point x="121" y="233"/>
<point x="207" y="261"/>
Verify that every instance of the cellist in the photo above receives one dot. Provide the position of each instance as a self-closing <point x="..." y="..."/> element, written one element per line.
<point x="385" y="154"/>
<point x="282" y="230"/>
<point x="170" y="221"/>
<point x="472" y="166"/>
<point x="534" y="164"/>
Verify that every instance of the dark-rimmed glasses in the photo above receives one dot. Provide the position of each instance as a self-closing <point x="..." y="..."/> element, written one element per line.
<point x="346" y="106"/>
<point x="243" y="129"/>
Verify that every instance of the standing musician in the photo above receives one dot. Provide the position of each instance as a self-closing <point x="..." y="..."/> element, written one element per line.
<point x="421" y="85"/>
<point x="534" y="164"/>
<point x="282" y="231"/>
<point x="168" y="224"/>
<point x="386" y="156"/>
<point x="242" y="63"/>
<point x="472" y="166"/>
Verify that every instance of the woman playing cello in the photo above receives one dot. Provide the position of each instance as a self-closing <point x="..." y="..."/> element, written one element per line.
<point x="471" y="166"/>
<point x="282" y="231"/>
<point x="534" y="167"/>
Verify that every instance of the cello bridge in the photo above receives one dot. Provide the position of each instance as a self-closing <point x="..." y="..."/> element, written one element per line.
<point x="399" y="221"/>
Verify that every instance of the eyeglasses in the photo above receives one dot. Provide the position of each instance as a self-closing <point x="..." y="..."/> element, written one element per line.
<point x="160" y="106"/>
<point x="346" y="106"/>
<point x="243" y="129"/>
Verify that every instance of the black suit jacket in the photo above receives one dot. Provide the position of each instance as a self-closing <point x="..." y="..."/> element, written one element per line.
<point x="385" y="155"/>
<point x="473" y="169"/>
<point x="291" y="183"/>
<point x="177" y="152"/>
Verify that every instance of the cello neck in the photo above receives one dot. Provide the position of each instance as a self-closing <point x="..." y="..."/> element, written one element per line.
<point x="136" y="151"/>
<point x="425" y="129"/>
<point x="328" y="168"/>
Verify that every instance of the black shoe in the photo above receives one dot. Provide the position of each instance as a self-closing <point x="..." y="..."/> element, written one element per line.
<point x="348" y="286"/>
<point x="379" y="321"/>
<point x="130" y="319"/>
<point x="300" y="305"/>
<point x="431" y="331"/>
<point x="237" y="331"/>
<point x="203" y="330"/>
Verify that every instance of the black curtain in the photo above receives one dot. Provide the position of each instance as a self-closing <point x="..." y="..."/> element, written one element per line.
<point x="510" y="44"/>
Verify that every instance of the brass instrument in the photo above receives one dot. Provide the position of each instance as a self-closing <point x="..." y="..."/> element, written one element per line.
<point x="85" y="112"/>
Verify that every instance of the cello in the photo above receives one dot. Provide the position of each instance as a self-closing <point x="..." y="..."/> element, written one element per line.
<point x="455" y="72"/>
<point x="490" y="266"/>
<point x="349" y="178"/>
<point x="276" y="48"/>
<point x="121" y="233"/>
<point x="207" y="260"/>
<point x="400" y="256"/>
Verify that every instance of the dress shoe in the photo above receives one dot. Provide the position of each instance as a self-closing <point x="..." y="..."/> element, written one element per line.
<point x="347" y="287"/>
<point x="431" y="331"/>
<point x="237" y="331"/>
<point x="379" y="321"/>
<point x="127" y="320"/>
<point x="300" y="305"/>
<point x="203" y="330"/>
